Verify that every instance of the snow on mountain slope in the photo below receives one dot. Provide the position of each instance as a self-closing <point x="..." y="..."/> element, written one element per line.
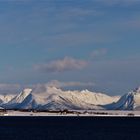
<point x="57" y="99"/>
<point x="5" y="98"/>
<point x="130" y="101"/>
<point x="17" y="101"/>
<point x="84" y="96"/>
<point x="19" y="98"/>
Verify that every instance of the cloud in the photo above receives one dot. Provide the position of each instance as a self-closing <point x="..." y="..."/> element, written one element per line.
<point x="59" y="84"/>
<point x="42" y="88"/>
<point x="62" y="65"/>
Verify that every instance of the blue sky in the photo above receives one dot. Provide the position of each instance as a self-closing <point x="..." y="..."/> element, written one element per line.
<point x="90" y="44"/>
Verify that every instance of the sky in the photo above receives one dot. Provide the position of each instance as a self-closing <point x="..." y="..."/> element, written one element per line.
<point x="71" y="44"/>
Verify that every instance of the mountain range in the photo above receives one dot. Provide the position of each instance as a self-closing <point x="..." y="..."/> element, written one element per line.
<point x="56" y="99"/>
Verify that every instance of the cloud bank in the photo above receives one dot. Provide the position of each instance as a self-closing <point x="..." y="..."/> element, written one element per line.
<point x="62" y="65"/>
<point x="59" y="84"/>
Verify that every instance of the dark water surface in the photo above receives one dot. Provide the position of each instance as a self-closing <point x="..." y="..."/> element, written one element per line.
<point x="69" y="128"/>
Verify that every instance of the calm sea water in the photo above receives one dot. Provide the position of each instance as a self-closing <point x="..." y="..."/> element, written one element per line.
<point x="69" y="128"/>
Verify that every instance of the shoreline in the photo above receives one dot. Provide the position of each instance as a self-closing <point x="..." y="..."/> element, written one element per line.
<point x="75" y="114"/>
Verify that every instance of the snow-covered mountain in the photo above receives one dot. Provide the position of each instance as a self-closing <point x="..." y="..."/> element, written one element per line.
<point x="53" y="98"/>
<point x="130" y="101"/>
<point x="5" y="98"/>
<point x="57" y="99"/>
<point x="20" y="101"/>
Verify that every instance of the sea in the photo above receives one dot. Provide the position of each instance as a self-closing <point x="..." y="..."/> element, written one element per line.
<point x="69" y="128"/>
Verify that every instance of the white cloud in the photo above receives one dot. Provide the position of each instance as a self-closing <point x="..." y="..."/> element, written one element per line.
<point x="42" y="88"/>
<point x="59" y="84"/>
<point x="62" y="65"/>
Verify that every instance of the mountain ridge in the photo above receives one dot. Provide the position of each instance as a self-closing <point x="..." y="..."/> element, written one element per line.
<point x="129" y="101"/>
<point x="57" y="99"/>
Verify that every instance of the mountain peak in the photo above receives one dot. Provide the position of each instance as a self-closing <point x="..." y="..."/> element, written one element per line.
<point x="25" y="92"/>
<point x="85" y="91"/>
<point x="129" y="101"/>
<point x="19" y="98"/>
